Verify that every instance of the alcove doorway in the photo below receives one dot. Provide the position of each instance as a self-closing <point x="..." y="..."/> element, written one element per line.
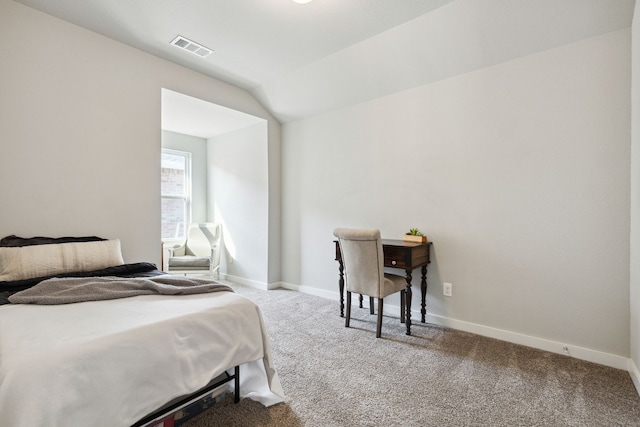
<point x="227" y="180"/>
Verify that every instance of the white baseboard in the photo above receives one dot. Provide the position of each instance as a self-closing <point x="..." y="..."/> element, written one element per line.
<point x="595" y="356"/>
<point x="246" y="282"/>
<point x="635" y="375"/>
<point x="311" y="291"/>
<point x="582" y="353"/>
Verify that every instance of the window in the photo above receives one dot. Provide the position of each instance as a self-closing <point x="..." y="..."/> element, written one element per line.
<point x="176" y="193"/>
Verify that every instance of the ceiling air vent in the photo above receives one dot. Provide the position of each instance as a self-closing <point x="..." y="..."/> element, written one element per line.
<point x="191" y="46"/>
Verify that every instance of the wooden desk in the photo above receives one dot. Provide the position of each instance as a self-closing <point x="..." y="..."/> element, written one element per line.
<point x="398" y="254"/>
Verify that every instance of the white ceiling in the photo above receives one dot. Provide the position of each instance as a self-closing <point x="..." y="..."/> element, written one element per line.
<point x="254" y="41"/>
<point x="302" y="60"/>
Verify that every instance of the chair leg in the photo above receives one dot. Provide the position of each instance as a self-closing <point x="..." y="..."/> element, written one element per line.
<point x="347" y="317"/>
<point x="379" y="324"/>
<point x="371" y="305"/>
<point x="402" y="306"/>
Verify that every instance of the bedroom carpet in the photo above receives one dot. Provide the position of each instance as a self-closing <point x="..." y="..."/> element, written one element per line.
<point x="334" y="376"/>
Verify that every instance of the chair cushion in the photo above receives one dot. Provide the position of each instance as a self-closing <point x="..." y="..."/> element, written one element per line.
<point x="393" y="283"/>
<point x="189" y="262"/>
<point x="201" y="238"/>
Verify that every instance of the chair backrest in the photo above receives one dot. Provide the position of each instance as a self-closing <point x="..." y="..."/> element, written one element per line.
<point x="363" y="260"/>
<point x="200" y="239"/>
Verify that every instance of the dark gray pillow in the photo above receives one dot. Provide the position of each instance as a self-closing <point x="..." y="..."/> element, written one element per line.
<point x="15" y="241"/>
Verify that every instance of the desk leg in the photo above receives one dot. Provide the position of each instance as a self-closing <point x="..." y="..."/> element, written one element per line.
<point x="423" y="288"/>
<point x="341" y="286"/>
<point x="408" y="295"/>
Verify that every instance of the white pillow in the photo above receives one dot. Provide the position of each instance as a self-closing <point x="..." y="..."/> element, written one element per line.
<point x="26" y="262"/>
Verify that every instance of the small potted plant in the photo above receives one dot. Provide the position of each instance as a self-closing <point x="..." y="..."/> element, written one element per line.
<point x="414" y="235"/>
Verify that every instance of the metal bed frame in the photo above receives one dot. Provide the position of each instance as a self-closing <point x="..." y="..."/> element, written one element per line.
<point x="182" y="402"/>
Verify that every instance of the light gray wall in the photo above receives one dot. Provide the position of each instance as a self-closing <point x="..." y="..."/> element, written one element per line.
<point x="239" y="179"/>
<point x="635" y="200"/>
<point x="80" y="133"/>
<point x="519" y="174"/>
<point x="198" y="149"/>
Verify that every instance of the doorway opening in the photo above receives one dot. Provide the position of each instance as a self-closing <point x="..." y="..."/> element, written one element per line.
<point x="226" y="178"/>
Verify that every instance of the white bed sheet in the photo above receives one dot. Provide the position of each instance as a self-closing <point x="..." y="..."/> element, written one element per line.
<point x="109" y="363"/>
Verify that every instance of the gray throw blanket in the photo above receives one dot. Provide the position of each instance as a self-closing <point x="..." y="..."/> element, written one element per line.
<point x="66" y="290"/>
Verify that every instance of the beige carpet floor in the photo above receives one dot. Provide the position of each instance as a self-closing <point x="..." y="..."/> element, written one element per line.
<point x="334" y="376"/>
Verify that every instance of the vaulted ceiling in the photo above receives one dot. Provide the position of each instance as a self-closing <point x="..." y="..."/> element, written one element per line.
<point x="301" y="60"/>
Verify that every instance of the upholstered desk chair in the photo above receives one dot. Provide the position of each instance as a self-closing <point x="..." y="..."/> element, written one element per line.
<point x="199" y="254"/>
<point x="363" y="262"/>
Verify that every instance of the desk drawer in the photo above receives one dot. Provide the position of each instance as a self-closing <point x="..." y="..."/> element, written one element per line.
<point x="397" y="257"/>
<point x="404" y="257"/>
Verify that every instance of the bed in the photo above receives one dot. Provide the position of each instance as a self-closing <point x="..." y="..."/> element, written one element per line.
<point x="113" y="361"/>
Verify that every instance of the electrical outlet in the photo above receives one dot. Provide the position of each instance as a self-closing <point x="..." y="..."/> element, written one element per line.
<point x="447" y="289"/>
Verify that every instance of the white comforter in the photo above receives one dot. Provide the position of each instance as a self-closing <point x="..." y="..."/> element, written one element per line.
<point x="109" y="363"/>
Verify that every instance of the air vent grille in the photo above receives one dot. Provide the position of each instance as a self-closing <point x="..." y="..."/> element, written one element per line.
<point x="191" y="46"/>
